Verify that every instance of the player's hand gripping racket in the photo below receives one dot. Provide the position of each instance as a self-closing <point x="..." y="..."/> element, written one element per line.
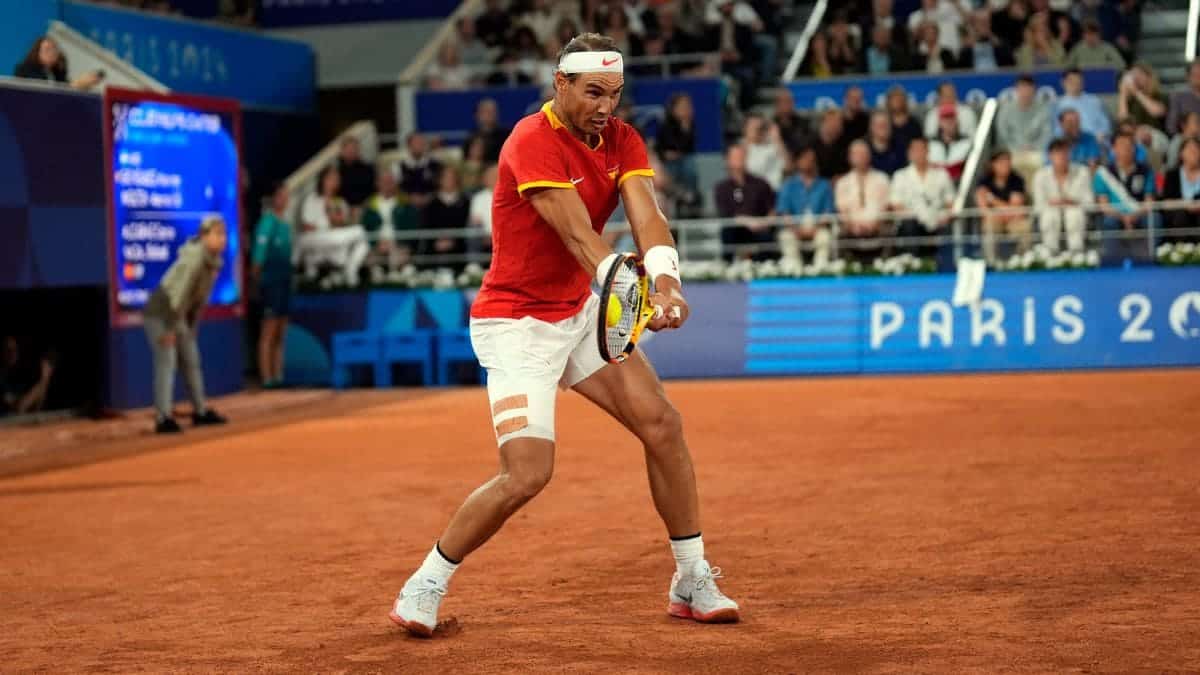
<point x="625" y="308"/>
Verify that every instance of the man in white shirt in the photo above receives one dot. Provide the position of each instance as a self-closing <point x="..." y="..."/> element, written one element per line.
<point x="925" y="194"/>
<point x="861" y="197"/>
<point x="949" y="17"/>
<point x="948" y="96"/>
<point x="765" y="152"/>
<point x="481" y="202"/>
<point x="1060" y="190"/>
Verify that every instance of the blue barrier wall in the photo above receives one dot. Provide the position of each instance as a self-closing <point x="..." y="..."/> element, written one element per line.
<point x="972" y="87"/>
<point x="1027" y="321"/>
<point x="49" y="235"/>
<point x="274" y="14"/>
<point x="195" y="58"/>
<point x="130" y="376"/>
<point x="452" y="113"/>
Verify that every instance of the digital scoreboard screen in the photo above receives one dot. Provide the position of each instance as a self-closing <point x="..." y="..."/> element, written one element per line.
<point x="172" y="161"/>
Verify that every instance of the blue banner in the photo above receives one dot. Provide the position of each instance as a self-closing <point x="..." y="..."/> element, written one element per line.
<point x="52" y="213"/>
<point x="275" y="13"/>
<point x="452" y="113"/>
<point x="922" y="89"/>
<point x="196" y="58"/>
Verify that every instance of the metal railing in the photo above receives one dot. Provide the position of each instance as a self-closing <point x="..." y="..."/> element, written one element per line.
<point x="1192" y="28"/>
<point x="810" y="29"/>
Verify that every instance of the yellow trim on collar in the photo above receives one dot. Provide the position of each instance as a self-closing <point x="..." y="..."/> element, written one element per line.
<point x="555" y="123"/>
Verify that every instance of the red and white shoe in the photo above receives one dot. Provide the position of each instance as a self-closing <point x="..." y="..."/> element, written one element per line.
<point x="696" y="596"/>
<point x="416" y="608"/>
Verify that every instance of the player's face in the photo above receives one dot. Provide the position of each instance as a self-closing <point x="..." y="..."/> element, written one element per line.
<point x="591" y="99"/>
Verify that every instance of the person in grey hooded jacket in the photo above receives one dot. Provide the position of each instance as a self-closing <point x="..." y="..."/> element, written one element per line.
<point x="171" y="318"/>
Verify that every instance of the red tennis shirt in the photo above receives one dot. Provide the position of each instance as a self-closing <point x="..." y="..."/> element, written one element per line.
<point x="532" y="272"/>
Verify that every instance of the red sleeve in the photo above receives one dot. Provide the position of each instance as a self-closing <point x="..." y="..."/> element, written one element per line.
<point x="634" y="161"/>
<point x="534" y="161"/>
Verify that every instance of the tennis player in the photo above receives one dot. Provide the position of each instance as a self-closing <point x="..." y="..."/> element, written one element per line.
<point x="533" y="326"/>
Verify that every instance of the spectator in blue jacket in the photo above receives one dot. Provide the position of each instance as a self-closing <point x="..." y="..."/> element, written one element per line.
<point x="1084" y="148"/>
<point x="806" y="196"/>
<point x="1125" y="189"/>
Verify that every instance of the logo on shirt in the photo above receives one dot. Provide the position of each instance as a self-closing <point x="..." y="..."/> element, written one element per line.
<point x="576" y="181"/>
<point x="612" y="173"/>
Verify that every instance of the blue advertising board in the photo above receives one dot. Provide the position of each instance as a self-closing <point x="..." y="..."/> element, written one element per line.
<point x="52" y="195"/>
<point x="197" y="58"/>
<point x="972" y="87"/>
<point x="173" y="161"/>
<point x="276" y="13"/>
<point x="452" y="113"/>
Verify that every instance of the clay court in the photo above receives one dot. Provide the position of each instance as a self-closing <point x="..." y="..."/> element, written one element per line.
<point x="1046" y="523"/>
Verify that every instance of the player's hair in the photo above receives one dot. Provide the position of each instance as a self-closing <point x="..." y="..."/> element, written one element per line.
<point x="586" y="42"/>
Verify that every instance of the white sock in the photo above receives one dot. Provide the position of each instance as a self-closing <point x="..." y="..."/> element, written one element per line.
<point x="687" y="553"/>
<point x="436" y="567"/>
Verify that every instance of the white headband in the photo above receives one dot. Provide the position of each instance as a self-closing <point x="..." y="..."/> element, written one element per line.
<point x="591" y="62"/>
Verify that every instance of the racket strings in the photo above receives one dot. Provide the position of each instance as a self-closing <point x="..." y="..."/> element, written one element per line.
<point x="627" y="291"/>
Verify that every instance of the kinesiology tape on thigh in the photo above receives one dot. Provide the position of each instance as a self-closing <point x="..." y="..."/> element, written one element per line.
<point x="520" y="415"/>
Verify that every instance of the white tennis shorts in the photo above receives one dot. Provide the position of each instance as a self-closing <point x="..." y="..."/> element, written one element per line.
<point x="528" y="360"/>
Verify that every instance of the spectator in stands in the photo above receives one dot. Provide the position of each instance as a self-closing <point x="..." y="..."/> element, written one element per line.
<point x="470" y="47"/>
<point x="357" y="176"/>
<point x="925" y="193"/>
<point x="1121" y="24"/>
<point x="983" y="50"/>
<point x="1093" y="52"/>
<point x="793" y="126"/>
<point x="541" y="19"/>
<point x="448" y="72"/>
<point x="272" y="270"/>
<point x="21" y="390"/>
<point x="1060" y="191"/>
<point x="480" y="213"/>
<point x="816" y="61"/>
<point x="1125" y="189"/>
<point x="448" y="209"/>
<point x="1001" y="189"/>
<point x="763" y="43"/>
<point x="387" y="213"/>
<point x="803" y="198"/>
<point x="1191" y="129"/>
<point x="474" y="161"/>
<point x="931" y="56"/>
<point x="734" y="41"/>
<point x="949" y="17"/>
<point x="949" y="149"/>
<point x="676" y="142"/>
<point x="1009" y="24"/>
<point x="887" y="155"/>
<point x="494" y="24"/>
<point x="740" y="197"/>
<point x="45" y="61"/>
<point x="855" y="118"/>
<point x="1140" y="97"/>
<point x="883" y="16"/>
<point x="418" y="170"/>
<point x="766" y="156"/>
<point x="617" y="27"/>
<point x="1062" y="27"/>
<point x="844" y="49"/>
<point x="1145" y="150"/>
<point x="1040" y="49"/>
<point x="1093" y="117"/>
<point x="947" y="96"/>
<point x="566" y="30"/>
<point x="1185" y="101"/>
<point x="487" y="127"/>
<point x="862" y="199"/>
<point x="1023" y="127"/>
<point x="1183" y="183"/>
<point x="172" y="319"/>
<point x="325" y="209"/>
<point x="239" y="12"/>
<point x="1083" y="148"/>
<point x="831" y="145"/>
<point x="884" y="55"/>
<point x="904" y="127"/>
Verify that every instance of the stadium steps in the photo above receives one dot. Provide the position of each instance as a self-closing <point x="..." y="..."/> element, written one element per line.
<point x="1164" y="37"/>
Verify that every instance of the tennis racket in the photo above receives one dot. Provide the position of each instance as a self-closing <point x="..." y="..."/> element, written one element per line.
<point x="625" y="308"/>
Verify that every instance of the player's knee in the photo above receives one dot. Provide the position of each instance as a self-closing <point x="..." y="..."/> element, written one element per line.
<point x="662" y="426"/>
<point x="523" y="484"/>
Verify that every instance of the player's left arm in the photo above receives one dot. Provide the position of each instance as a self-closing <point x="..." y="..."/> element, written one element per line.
<point x="654" y="240"/>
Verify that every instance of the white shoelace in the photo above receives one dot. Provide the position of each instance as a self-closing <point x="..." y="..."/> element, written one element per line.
<point x="427" y="596"/>
<point x="714" y="573"/>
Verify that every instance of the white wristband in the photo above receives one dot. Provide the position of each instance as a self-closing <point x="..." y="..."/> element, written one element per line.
<point x="603" y="268"/>
<point x="662" y="260"/>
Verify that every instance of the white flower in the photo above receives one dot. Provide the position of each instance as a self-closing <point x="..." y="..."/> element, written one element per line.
<point x="474" y="269"/>
<point x="1093" y="258"/>
<point x="1177" y="256"/>
<point x="1164" y="250"/>
<point x="1078" y="259"/>
<point x="1186" y="247"/>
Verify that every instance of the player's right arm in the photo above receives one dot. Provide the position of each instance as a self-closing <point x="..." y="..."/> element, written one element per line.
<point x="564" y="210"/>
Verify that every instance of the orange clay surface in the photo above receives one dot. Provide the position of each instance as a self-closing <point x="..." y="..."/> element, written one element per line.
<point x="1046" y="523"/>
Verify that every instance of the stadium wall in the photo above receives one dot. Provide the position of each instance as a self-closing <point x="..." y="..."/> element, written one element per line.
<point x="866" y="325"/>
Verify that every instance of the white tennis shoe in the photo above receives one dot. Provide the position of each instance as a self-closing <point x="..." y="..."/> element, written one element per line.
<point x="696" y="596"/>
<point x="416" y="608"/>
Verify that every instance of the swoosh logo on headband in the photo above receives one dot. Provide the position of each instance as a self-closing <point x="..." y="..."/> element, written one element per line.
<point x="606" y="62"/>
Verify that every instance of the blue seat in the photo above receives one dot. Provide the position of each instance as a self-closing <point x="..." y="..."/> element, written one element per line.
<point x="355" y="349"/>
<point x="411" y="347"/>
<point x="454" y="346"/>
